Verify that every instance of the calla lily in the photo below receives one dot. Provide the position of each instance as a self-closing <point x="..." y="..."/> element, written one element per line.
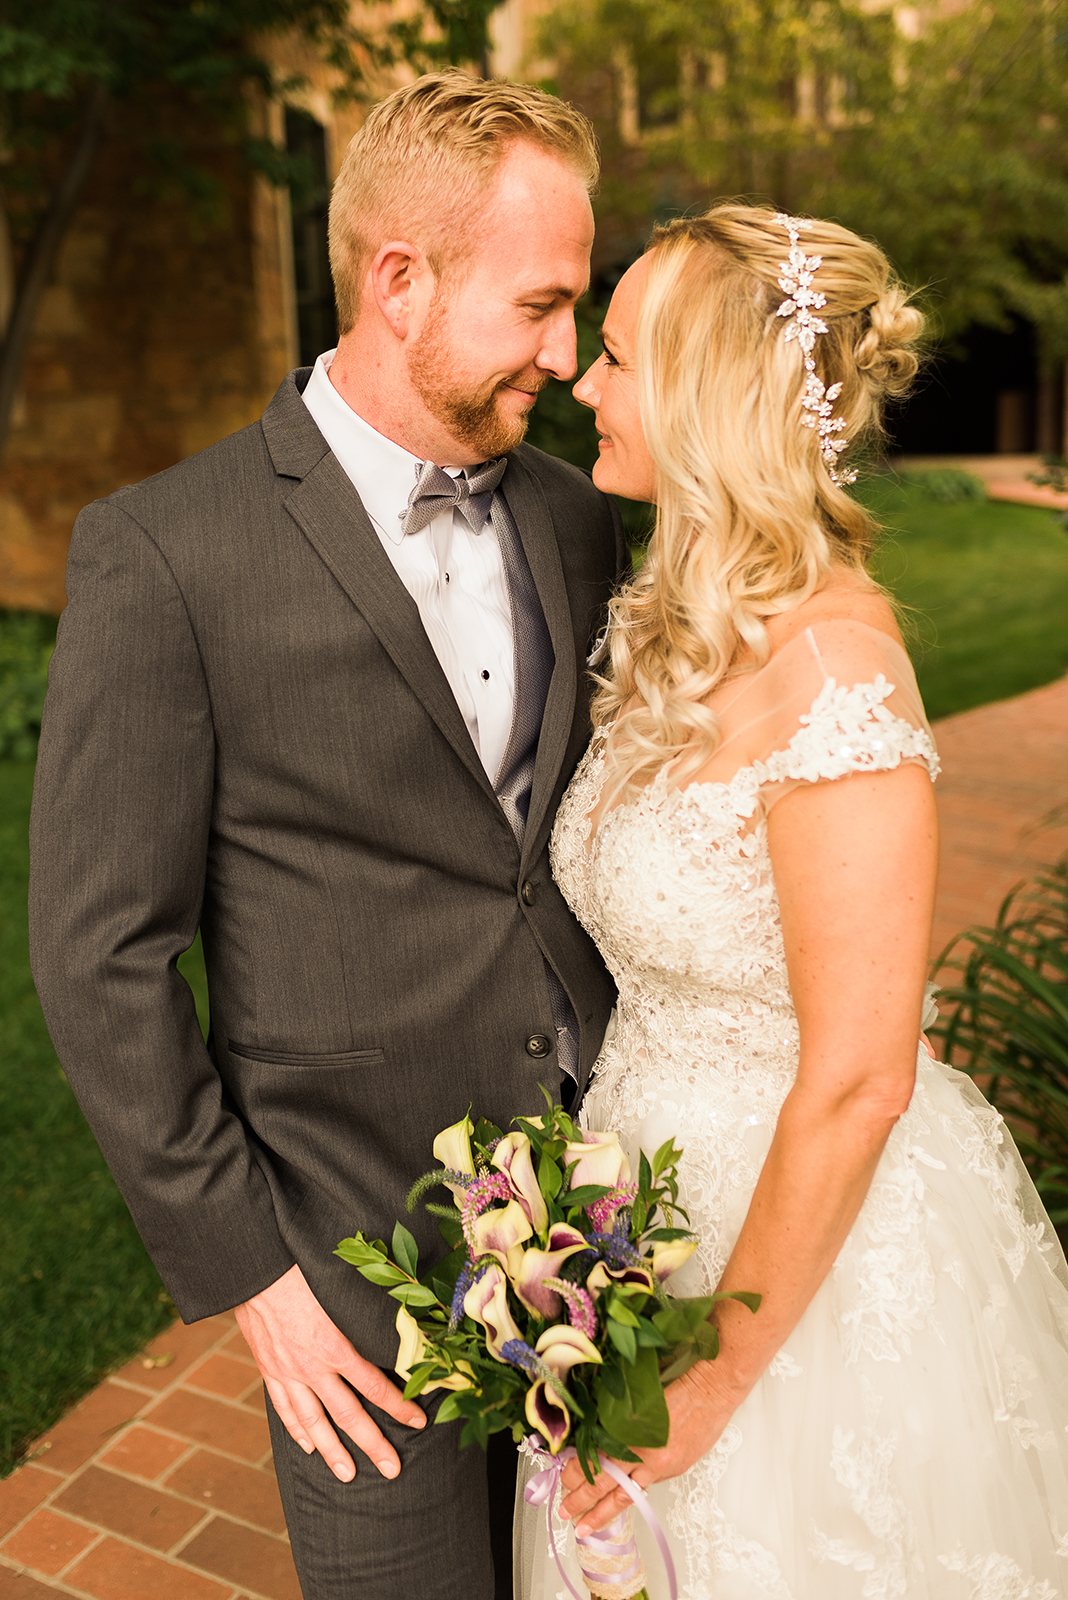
<point x="528" y="1268"/>
<point x="669" y="1255"/>
<point x="452" y="1148"/>
<point x="512" y="1156"/>
<point x="561" y="1348"/>
<point x="414" y="1348"/>
<point x="487" y="1302"/>
<point x="496" y="1232"/>
<point x="602" y="1277"/>
<point x="600" y="1160"/>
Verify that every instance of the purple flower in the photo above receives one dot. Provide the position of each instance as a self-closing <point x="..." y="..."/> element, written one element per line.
<point x="469" y="1276"/>
<point x="480" y="1193"/>
<point x="603" y="1212"/>
<point x="579" y="1303"/>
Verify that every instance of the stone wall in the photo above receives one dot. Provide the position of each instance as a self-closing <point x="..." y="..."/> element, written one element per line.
<point x="168" y="324"/>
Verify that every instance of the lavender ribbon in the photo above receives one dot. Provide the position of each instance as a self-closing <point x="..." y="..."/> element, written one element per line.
<point x="542" y="1491"/>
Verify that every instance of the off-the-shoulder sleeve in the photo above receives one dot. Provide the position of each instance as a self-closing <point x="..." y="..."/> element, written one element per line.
<point x="847" y="702"/>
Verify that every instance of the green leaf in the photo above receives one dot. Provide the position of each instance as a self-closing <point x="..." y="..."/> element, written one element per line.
<point x="405" y="1250"/>
<point x="383" y="1273"/>
<point x="450" y="1408"/>
<point x="357" y="1251"/>
<point x="414" y="1294"/>
<point x="679" y="1361"/>
<point x="641" y="1419"/>
<point x="619" y="1311"/>
<point x="486" y="1132"/>
<point x="624" y="1339"/>
<point x="666" y="1156"/>
<point x="550" y="1178"/>
<point x="442" y="1276"/>
<point x="587" y="1194"/>
<point x="419" y="1378"/>
<point x="648" y="1334"/>
<point x="747" y="1299"/>
<point x="451" y="1231"/>
<point x="612" y="1378"/>
<point x="706" y="1340"/>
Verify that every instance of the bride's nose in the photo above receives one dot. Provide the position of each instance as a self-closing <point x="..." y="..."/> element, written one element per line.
<point x="587" y="391"/>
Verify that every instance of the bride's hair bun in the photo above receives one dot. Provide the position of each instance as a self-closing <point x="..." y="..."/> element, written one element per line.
<point x="886" y="353"/>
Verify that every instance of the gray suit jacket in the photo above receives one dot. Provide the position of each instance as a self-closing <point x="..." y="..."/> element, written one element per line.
<point x="247" y="729"/>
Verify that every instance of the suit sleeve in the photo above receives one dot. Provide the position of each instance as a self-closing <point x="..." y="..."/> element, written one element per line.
<point x="119" y="839"/>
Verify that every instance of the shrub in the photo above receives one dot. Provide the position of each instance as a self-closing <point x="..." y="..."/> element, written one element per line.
<point x="1008" y="1024"/>
<point x="26" y="643"/>
<point x="948" y="486"/>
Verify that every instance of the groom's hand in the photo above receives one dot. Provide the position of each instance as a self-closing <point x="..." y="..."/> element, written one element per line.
<point x="308" y="1364"/>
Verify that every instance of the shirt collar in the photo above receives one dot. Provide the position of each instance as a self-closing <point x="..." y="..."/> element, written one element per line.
<point x="382" y="473"/>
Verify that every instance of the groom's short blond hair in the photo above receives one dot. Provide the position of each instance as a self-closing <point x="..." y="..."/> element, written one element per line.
<point x="420" y="165"/>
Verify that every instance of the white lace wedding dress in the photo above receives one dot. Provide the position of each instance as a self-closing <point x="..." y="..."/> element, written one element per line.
<point x="911" y="1437"/>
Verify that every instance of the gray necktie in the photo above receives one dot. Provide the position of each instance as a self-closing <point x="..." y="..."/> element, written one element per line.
<point x="435" y="492"/>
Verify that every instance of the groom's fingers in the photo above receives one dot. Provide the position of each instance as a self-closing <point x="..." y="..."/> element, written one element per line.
<point x="308" y="1364"/>
<point x="306" y="1422"/>
<point x="301" y="1410"/>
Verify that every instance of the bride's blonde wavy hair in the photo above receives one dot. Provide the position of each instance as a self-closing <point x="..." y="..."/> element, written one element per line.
<point x="749" y="521"/>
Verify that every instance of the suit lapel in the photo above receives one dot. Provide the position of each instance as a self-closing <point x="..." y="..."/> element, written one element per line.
<point x="531" y="516"/>
<point x="331" y="516"/>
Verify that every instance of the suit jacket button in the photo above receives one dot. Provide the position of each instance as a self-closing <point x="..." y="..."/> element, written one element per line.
<point x="529" y="893"/>
<point x="538" y="1045"/>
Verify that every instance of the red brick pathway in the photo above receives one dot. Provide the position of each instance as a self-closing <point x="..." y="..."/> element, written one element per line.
<point x="159" y="1486"/>
<point x="1002" y="803"/>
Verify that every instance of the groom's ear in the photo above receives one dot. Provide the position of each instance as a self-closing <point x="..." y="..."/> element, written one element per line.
<point x="403" y="286"/>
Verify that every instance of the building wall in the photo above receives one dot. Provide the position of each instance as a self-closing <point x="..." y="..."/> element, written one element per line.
<point x="167" y="325"/>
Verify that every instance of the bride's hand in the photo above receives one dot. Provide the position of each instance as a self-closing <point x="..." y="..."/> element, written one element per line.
<point x="698" y="1409"/>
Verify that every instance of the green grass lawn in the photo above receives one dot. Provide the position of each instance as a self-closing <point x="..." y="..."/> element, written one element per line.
<point x="78" y="1294"/>
<point x="988" y="585"/>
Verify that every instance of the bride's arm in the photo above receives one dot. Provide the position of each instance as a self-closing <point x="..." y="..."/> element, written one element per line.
<point x="854" y="865"/>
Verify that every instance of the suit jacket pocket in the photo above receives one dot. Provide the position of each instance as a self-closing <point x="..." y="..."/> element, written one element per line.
<point x="299" y="1058"/>
<point x="307" y="1110"/>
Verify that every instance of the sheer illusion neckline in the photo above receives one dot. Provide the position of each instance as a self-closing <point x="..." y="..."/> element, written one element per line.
<point x="658" y="791"/>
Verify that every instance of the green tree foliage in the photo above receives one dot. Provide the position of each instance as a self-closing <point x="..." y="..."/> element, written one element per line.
<point x="943" y="133"/>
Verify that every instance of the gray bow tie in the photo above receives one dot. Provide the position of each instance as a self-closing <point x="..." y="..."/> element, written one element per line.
<point x="435" y="491"/>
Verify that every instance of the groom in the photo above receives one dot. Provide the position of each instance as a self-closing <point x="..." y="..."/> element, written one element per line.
<point x="318" y="691"/>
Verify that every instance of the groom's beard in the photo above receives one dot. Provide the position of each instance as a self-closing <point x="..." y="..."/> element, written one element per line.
<point x="472" y="416"/>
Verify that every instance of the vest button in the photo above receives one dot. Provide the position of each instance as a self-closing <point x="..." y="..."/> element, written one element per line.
<point x="539" y="1045"/>
<point x="529" y="893"/>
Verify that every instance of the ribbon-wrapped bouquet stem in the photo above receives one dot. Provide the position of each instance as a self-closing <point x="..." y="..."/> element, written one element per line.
<point x="549" y="1316"/>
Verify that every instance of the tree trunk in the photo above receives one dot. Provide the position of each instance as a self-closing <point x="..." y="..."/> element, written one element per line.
<point x="42" y="253"/>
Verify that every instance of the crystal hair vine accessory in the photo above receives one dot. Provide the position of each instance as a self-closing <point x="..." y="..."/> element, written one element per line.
<point x="796" y="284"/>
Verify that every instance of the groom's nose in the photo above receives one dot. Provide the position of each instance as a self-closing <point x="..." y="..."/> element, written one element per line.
<point x="559" y="349"/>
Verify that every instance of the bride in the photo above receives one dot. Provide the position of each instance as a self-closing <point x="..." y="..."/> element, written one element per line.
<point x="751" y="840"/>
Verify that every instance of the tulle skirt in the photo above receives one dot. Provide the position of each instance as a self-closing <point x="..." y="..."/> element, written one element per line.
<point x="911" y="1437"/>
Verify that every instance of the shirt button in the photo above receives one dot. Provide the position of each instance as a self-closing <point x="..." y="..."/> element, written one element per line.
<point x="484" y="676"/>
<point x="529" y="893"/>
<point x="539" y="1045"/>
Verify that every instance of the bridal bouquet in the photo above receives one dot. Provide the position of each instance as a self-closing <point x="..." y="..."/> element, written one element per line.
<point x="549" y="1316"/>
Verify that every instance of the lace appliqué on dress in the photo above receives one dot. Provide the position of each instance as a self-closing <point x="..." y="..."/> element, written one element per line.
<point x="676" y="887"/>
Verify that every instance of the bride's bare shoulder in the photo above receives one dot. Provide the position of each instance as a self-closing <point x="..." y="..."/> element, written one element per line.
<point x="845" y="596"/>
